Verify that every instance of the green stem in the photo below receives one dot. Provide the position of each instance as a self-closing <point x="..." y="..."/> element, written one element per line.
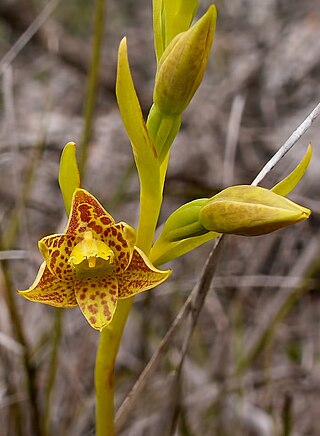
<point x="92" y="82"/>
<point x="110" y="338"/>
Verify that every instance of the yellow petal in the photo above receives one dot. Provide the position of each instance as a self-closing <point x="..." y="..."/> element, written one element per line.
<point x="87" y="214"/>
<point x="49" y="290"/>
<point x="140" y="276"/>
<point x="56" y="251"/>
<point x="97" y="299"/>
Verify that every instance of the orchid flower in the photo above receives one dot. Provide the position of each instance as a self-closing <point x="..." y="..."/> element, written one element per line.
<point x="93" y="264"/>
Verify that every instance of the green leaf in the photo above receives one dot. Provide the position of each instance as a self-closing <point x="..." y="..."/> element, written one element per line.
<point x="290" y="182"/>
<point x="144" y="151"/>
<point x="69" y="177"/>
<point x="162" y="251"/>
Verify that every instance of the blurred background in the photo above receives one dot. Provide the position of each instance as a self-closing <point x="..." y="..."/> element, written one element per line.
<point x="253" y="365"/>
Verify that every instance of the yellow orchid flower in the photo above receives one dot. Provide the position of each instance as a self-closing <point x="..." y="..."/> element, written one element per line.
<point x="93" y="264"/>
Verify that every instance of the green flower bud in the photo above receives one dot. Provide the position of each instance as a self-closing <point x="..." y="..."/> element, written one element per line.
<point x="250" y="211"/>
<point x="183" y="223"/>
<point x="183" y="64"/>
<point x="171" y="17"/>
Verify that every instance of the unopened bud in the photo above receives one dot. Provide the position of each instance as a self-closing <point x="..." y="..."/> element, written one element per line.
<point x="250" y="211"/>
<point x="183" y="64"/>
<point x="183" y="223"/>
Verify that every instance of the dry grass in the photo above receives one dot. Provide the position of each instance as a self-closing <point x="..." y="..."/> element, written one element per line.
<point x="266" y="55"/>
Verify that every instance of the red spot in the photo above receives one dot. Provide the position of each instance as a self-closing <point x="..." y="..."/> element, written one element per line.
<point x="55" y="253"/>
<point x="103" y="294"/>
<point x="55" y="243"/>
<point x="93" y="309"/>
<point x="93" y="319"/>
<point x="118" y="247"/>
<point x="114" y="231"/>
<point x="98" y="229"/>
<point x="120" y="239"/>
<point x="82" y="296"/>
<point x="92" y="297"/>
<point x="84" y="290"/>
<point x="61" y="264"/>
<point x="84" y="210"/>
<point x="105" y="220"/>
<point x="106" y="310"/>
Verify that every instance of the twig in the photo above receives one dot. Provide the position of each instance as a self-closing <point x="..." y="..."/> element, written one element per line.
<point x="13" y="254"/>
<point x="290" y="142"/>
<point x="131" y="398"/>
<point x="28" y="34"/>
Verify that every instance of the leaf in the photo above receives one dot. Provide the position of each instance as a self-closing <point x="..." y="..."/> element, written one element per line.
<point x="163" y="252"/>
<point x="144" y="151"/>
<point x="290" y="182"/>
<point x="69" y="177"/>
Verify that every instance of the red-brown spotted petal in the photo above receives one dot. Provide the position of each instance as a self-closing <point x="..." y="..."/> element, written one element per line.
<point x="56" y="251"/>
<point x="140" y="276"/>
<point x="49" y="290"/>
<point x="97" y="298"/>
<point x="87" y="214"/>
<point x="120" y="239"/>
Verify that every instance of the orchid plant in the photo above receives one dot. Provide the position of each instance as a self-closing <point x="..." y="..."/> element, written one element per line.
<point x="100" y="265"/>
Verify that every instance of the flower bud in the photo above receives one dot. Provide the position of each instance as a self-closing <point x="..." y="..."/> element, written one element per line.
<point x="171" y="17"/>
<point x="182" y="65"/>
<point x="250" y="211"/>
<point x="183" y="223"/>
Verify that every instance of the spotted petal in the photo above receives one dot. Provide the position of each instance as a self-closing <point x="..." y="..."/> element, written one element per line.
<point x="49" y="290"/>
<point x="140" y="276"/>
<point x="120" y="239"/>
<point x="97" y="298"/>
<point x="87" y="214"/>
<point x="56" y="250"/>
